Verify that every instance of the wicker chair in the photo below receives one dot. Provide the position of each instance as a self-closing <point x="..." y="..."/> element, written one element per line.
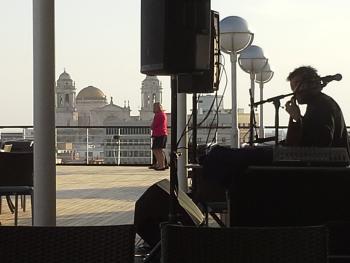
<point x="95" y="244"/>
<point x="244" y="244"/>
<point x="339" y="241"/>
<point x="16" y="177"/>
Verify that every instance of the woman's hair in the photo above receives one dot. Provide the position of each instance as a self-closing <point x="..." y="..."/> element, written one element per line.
<point x="158" y="106"/>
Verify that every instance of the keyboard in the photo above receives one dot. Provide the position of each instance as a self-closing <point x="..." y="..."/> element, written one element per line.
<point x="311" y="156"/>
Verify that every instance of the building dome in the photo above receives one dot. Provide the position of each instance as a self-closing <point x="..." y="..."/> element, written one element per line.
<point x="91" y="93"/>
<point x="64" y="76"/>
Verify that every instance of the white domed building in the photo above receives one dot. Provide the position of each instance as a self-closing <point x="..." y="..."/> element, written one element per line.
<point x="87" y="99"/>
<point x="94" y="110"/>
<point x="91" y="108"/>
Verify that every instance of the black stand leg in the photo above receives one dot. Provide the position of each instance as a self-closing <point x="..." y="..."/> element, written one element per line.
<point x="277" y="104"/>
<point x="194" y="128"/>
<point x="252" y="121"/>
<point x="173" y="155"/>
<point x="153" y="253"/>
<point x="172" y="219"/>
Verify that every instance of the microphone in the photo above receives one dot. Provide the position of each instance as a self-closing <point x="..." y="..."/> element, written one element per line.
<point x="326" y="79"/>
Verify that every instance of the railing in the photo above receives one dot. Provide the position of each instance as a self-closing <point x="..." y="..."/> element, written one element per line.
<point x="112" y="145"/>
<point x="120" y="145"/>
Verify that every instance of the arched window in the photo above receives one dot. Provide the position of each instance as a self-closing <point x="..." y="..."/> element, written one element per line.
<point x="66" y="101"/>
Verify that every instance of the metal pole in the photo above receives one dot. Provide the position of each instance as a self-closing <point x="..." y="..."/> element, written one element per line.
<point x="182" y="146"/>
<point x="194" y="128"/>
<point x="252" y="117"/>
<point x="173" y="151"/>
<point x="277" y="105"/>
<point x="235" y="141"/>
<point x="87" y="145"/>
<point x="261" y="118"/>
<point x="252" y="85"/>
<point x="118" y="146"/>
<point x="114" y="142"/>
<point x="44" y="112"/>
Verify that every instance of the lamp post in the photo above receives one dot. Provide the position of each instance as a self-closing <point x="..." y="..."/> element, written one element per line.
<point x="234" y="38"/>
<point x="263" y="77"/>
<point x="252" y="61"/>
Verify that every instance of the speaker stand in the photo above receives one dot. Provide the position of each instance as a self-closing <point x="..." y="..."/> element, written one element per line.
<point x="252" y="120"/>
<point x="153" y="253"/>
<point x="194" y="128"/>
<point x="173" y="152"/>
<point x="172" y="219"/>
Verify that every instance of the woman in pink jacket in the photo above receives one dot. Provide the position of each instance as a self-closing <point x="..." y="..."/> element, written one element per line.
<point x="159" y="135"/>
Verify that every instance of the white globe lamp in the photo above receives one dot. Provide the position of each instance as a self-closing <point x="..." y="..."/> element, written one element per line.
<point x="234" y="38"/>
<point x="263" y="77"/>
<point x="252" y="61"/>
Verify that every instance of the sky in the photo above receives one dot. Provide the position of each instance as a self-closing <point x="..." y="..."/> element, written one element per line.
<point x="98" y="44"/>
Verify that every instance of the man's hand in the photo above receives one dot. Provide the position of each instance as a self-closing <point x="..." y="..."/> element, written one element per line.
<point x="293" y="110"/>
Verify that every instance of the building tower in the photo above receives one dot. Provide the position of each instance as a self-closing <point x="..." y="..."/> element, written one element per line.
<point x="151" y="91"/>
<point x="66" y="113"/>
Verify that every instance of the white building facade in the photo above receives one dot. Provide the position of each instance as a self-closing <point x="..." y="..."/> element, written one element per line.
<point x="117" y="137"/>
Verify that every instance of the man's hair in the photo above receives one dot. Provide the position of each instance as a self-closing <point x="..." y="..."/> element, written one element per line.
<point x="307" y="73"/>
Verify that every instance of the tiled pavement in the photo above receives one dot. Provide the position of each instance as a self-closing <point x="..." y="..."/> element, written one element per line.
<point x="94" y="195"/>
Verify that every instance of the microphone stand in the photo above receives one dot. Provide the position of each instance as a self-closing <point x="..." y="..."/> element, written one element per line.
<point x="252" y="121"/>
<point x="277" y="103"/>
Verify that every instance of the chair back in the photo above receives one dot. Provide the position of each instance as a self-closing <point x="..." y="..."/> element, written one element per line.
<point x="68" y="244"/>
<point x="244" y="244"/>
<point x="339" y="240"/>
<point x="16" y="169"/>
<point x="7" y="147"/>
<point x="21" y="145"/>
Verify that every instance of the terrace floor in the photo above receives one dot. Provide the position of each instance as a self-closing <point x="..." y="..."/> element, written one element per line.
<point x="94" y="195"/>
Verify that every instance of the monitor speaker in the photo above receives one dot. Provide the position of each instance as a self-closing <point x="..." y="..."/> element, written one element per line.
<point x="174" y="36"/>
<point x="152" y="209"/>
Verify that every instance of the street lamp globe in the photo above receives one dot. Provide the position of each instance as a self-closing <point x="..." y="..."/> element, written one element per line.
<point x="234" y="34"/>
<point x="265" y="75"/>
<point x="252" y="60"/>
<point x="262" y="77"/>
<point x="234" y="38"/>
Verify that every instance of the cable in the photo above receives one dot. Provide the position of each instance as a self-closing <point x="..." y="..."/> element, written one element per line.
<point x="216" y="115"/>
<point x="186" y="129"/>
<point x="221" y="65"/>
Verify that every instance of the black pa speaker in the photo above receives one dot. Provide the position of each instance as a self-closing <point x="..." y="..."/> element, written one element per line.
<point x="206" y="81"/>
<point x="152" y="209"/>
<point x="175" y="36"/>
